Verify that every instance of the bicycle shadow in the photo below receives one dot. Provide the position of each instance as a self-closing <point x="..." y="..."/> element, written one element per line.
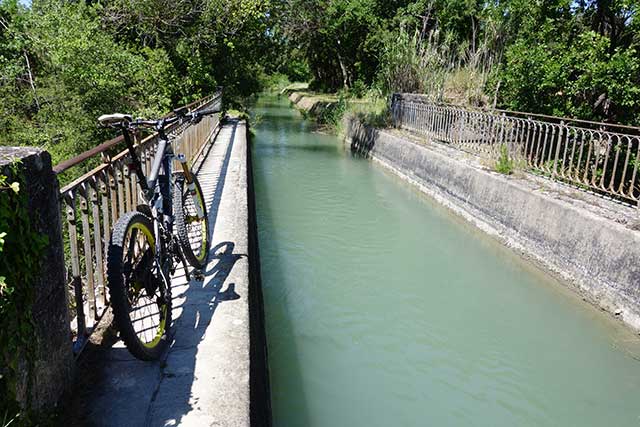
<point x="120" y="390"/>
<point x="196" y="336"/>
<point x="190" y="299"/>
<point x="193" y="337"/>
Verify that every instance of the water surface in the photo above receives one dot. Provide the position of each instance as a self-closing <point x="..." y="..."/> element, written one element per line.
<point x="383" y="309"/>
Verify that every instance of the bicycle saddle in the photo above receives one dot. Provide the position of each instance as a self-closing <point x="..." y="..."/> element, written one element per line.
<point x="108" y="119"/>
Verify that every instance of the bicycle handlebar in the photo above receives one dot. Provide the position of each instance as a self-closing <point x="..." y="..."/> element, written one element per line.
<point x="125" y="121"/>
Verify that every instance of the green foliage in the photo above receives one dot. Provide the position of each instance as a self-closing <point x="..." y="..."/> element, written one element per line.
<point x="404" y="68"/>
<point x="504" y="163"/>
<point x="62" y="64"/>
<point x="75" y="72"/>
<point x="275" y="83"/>
<point x="332" y="114"/>
<point x="339" y="39"/>
<point x="371" y="110"/>
<point x="580" y="78"/>
<point x="20" y="252"/>
<point x="560" y="57"/>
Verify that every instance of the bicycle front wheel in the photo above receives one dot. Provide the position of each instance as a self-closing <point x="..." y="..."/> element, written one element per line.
<point x="140" y="294"/>
<point x="191" y="221"/>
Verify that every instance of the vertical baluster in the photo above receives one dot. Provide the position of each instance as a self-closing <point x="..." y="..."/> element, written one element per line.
<point x="83" y="192"/>
<point x="606" y="162"/>
<point x="565" y="147"/>
<point x="119" y="187"/>
<point x="522" y="138"/>
<point x="596" y="140"/>
<point x="617" y="149"/>
<point x="633" y="185"/>
<point x="626" y="166"/>
<point x="558" y="140"/>
<point x="103" y="180"/>
<point x="508" y="135"/>
<point x="113" y="193"/>
<point x="70" y="206"/>
<point x="413" y="115"/>
<point x="97" y="243"/>
<point x="447" y="125"/>
<point x="539" y="144"/>
<point x="574" y="141"/>
<point x="549" y="148"/>
<point x="585" y="178"/>
<point x="493" y="134"/>
<point x="528" y="138"/>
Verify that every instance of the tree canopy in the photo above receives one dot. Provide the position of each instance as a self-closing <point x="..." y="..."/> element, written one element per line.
<point x="564" y="57"/>
<point x="64" y="63"/>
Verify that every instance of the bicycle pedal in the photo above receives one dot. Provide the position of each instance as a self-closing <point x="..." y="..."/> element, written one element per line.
<point x="198" y="275"/>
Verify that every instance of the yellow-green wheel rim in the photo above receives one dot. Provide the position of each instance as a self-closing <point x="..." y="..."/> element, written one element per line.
<point x="163" y="311"/>
<point x="202" y="255"/>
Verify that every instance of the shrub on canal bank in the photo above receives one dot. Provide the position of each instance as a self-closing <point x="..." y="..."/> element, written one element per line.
<point x="328" y="110"/>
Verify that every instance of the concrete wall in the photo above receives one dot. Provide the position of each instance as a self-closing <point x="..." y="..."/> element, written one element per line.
<point x="598" y="256"/>
<point x="309" y="104"/>
<point x="43" y="385"/>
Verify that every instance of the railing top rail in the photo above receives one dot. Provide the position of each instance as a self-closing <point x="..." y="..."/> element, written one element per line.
<point x="81" y="179"/>
<point x="107" y="145"/>
<point x="414" y="97"/>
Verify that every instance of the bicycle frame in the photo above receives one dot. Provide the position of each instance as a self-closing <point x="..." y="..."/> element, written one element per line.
<point x="160" y="202"/>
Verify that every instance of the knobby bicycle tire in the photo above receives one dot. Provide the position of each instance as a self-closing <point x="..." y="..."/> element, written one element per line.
<point x="195" y="241"/>
<point x="130" y="280"/>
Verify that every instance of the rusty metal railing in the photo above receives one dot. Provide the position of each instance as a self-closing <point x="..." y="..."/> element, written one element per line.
<point x="92" y="204"/>
<point x="593" y="156"/>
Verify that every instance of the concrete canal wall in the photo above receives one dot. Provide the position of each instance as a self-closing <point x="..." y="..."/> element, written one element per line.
<point x="313" y="105"/>
<point x="589" y="242"/>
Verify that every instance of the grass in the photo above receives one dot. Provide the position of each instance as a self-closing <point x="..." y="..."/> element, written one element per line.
<point x="504" y="164"/>
<point x="329" y="109"/>
<point x="371" y="111"/>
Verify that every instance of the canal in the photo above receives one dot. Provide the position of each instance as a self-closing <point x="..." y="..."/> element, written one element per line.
<point x="383" y="309"/>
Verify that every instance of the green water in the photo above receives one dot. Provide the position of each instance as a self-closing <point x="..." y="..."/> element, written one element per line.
<point x="383" y="309"/>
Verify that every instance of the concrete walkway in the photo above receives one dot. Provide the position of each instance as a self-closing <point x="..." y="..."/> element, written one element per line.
<point x="204" y="379"/>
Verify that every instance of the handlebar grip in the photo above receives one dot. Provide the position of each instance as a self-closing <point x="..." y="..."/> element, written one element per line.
<point x="208" y="112"/>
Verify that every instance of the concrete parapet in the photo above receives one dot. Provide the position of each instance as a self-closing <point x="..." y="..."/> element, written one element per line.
<point x="45" y="379"/>
<point x="578" y="241"/>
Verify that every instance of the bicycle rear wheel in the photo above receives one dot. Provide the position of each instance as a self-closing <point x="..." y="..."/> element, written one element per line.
<point x="140" y="294"/>
<point x="191" y="221"/>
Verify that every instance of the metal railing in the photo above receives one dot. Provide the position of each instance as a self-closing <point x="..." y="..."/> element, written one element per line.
<point x="589" y="155"/>
<point x="92" y="204"/>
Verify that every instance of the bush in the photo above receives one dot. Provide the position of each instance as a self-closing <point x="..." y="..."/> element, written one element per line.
<point x="434" y="68"/>
<point x="504" y="163"/>
<point x="579" y="78"/>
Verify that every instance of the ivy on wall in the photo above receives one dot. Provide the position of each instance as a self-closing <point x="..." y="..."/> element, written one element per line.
<point x="20" y="252"/>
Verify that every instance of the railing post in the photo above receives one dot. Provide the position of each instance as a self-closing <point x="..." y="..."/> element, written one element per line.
<point x="557" y="154"/>
<point x="47" y="374"/>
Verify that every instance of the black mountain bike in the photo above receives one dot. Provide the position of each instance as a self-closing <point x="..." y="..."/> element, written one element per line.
<point x="146" y="244"/>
